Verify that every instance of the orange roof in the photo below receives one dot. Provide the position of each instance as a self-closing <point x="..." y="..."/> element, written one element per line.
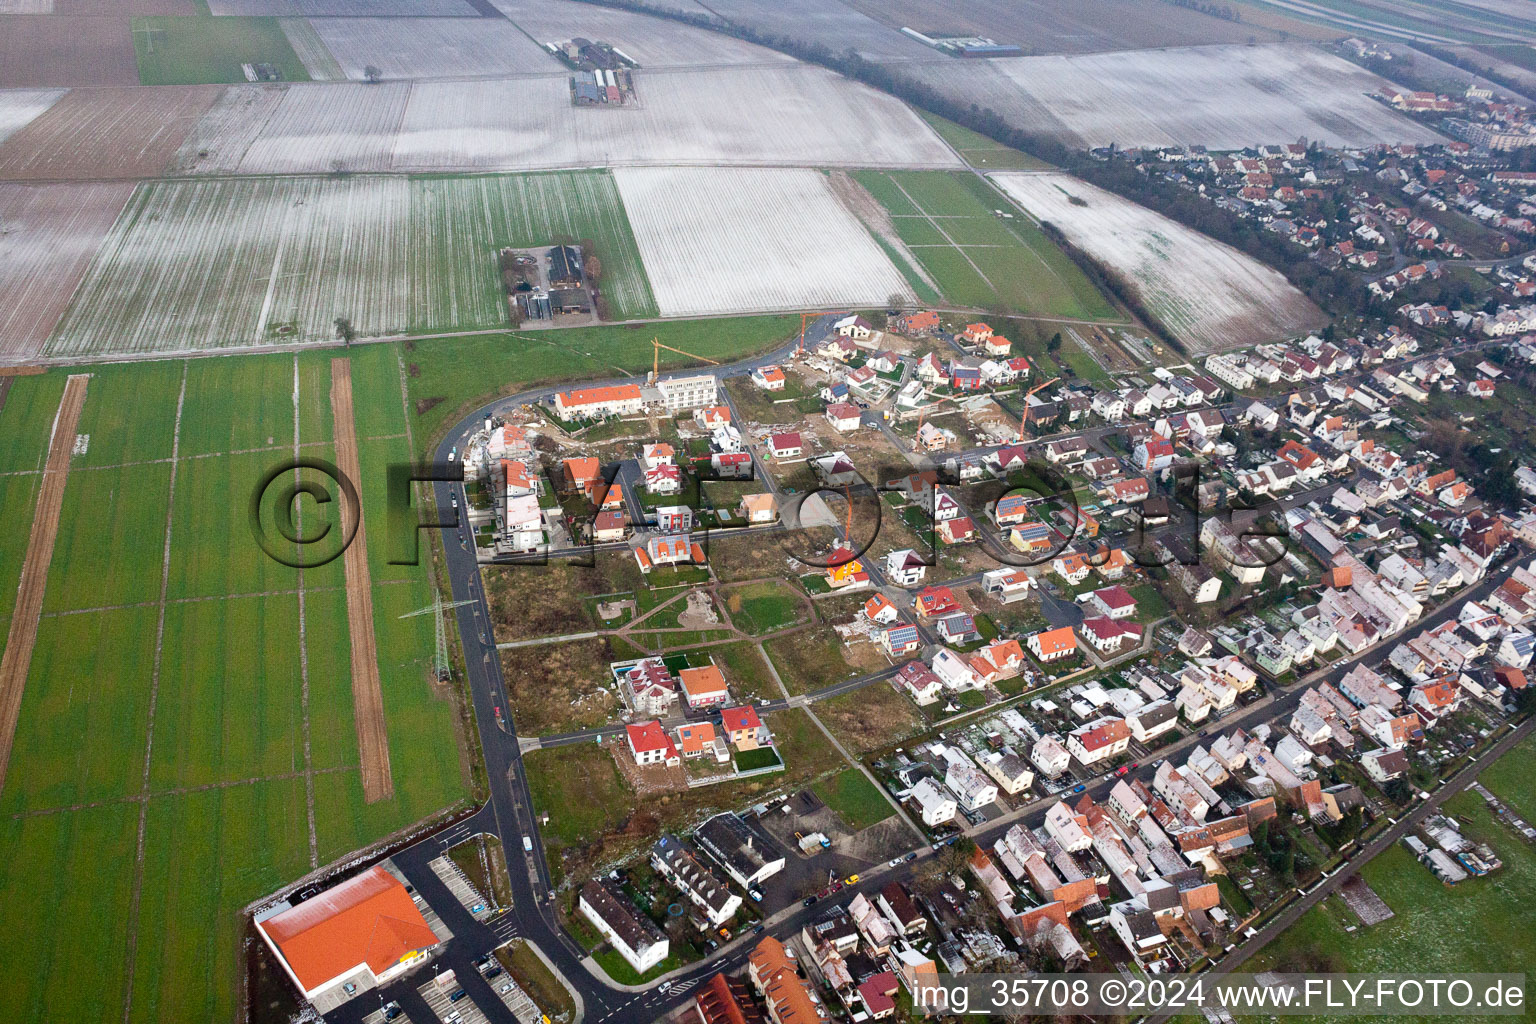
<point x="369" y="919"/>
<point x="583" y="468"/>
<point x="595" y="396"/>
<point x="1054" y="641"/>
<point x="696" y="736"/>
<point x="698" y="682"/>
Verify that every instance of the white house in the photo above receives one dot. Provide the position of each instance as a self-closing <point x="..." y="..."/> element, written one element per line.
<point x="905" y="567"/>
<point x="934" y="804"/>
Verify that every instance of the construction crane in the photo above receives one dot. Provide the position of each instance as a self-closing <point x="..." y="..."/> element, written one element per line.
<point x="807" y="317"/>
<point x="657" y="346"/>
<point x="1025" y="410"/>
<point x="437" y="607"/>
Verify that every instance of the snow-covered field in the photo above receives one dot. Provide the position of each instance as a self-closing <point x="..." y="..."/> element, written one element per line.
<point x="432" y="47"/>
<point x="1222" y="97"/>
<point x="211" y="264"/>
<point x="48" y="234"/>
<point x="1209" y="295"/>
<point x="345" y="8"/>
<point x="792" y="115"/>
<point x="718" y="240"/>
<point x="789" y="115"/>
<point x="19" y="106"/>
<point x="653" y="42"/>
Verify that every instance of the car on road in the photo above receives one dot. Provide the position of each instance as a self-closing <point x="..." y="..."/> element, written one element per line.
<point x="809" y="900"/>
<point x="851" y="880"/>
<point x="893" y="862"/>
<point x="1122" y="769"/>
<point x="911" y="856"/>
<point x="453" y="453"/>
<point x="1079" y="788"/>
<point x="1134" y="765"/>
<point x="1203" y="732"/>
<point x="527" y="844"/>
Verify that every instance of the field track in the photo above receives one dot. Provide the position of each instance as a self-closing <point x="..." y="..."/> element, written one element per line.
<point x="367" y="693"/>
<point x="17" y="660"/>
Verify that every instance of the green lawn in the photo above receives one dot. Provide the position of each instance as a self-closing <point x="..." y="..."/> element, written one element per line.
<point x="852" y="795"/>
<point x="761" y="608"/>
<point x="194" y="50"/>
<point x="1509" y="778"/>
<point x="1479" y="925"/>
<point x="977" y="257"/>
<point x="464" y="373"/>
<point x="751" y="760"/>
<point x="981" y="152"/>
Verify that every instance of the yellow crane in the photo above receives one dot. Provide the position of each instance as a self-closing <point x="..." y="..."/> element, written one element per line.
<point x="1024" y="410"/>
<point x="657" y="346"/>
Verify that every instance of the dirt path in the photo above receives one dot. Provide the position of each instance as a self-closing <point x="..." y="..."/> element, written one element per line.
<point x="17" y="660"/>
<point x="367" y="692"/>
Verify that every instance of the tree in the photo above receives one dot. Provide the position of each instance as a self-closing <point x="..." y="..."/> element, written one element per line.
<point x="345" y="331"/>
<point x="594" y="268"/>
<point x="372" y="74"/>
<point x="1054" y="345"/>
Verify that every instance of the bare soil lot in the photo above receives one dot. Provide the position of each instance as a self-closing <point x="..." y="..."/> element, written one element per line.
<point x="53" y="50"/>
<point x="105" y="133"/>
<point x="51" y="233"/>
<point x="559" y="687"/>
<point x="875" y="716"/>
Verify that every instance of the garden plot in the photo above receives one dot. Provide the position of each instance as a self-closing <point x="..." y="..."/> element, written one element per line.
<point x="201" y="264"/>
<point x="652" y="42"/>
<point x="747" y="239"/>
<point x="105" y="133"/>
<point x="791" y="115"/>
<point x="18" y="107"/>
<point x="432" y="47"/>
<point x="1209" y="295"/>
<point x="48" y="234"/>
<point x="346" y="8"/>
<point x="1222" y="97"/>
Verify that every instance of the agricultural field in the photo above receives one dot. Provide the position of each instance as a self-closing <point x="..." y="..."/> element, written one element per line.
<point x="51" y="233"/>
<point x="431" y="47"/>
<point x="278" y="259"/>
<point x="18" y="107"/>
<point x="827" y="23"/>
<point x="346" y="8"/>
<point x="66" y="51"/>
<point x="326" y="127"/>
<point x="949" y="223"/>
<point x="1222" y="97"/>
<point x="717" y="240"/>
<point x="652" y="42"/>
<point x="794" y="115"/>
<point x="1066" y="26"/>
<point x="104" y="133"/>
<point x="1210" y="296"/>
<point x="191" y="51"/>
<point x="211" y="728"/>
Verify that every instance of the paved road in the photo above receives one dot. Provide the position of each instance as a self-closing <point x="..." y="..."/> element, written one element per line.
<point x="1277" y="926"/>
<point x="509" y="814"/>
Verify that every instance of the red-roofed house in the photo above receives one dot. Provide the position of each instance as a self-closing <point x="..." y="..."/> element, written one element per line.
<point x="743" y="728"/>
<point x="878" y="994"/>
<point x="1113" y="601"/>
<point x="1099" y="739"/>
<point x="931" y="601"/>
<point x="363" y="933"/>
<point x="787" y="445"/>
<point x="649" y="744"/>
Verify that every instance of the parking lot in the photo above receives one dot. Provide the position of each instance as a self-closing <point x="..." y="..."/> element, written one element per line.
<point x="450" y="1002"/>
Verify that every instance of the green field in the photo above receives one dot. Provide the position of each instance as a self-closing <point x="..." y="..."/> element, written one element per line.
<point x="456" y="375"/>
<point x="761" y="608"/>
<point x="852" y="795"/>
<point x="981" y="152"/>
<point x="195" y="50"/>
<point x="977" y="258"/>
<point x="1481" y="924"/>
<point x="1510" y="778"/>
<point x="200" y="717"/>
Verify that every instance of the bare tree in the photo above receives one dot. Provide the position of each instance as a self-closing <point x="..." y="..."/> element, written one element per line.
<point x="372" y="74"/>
